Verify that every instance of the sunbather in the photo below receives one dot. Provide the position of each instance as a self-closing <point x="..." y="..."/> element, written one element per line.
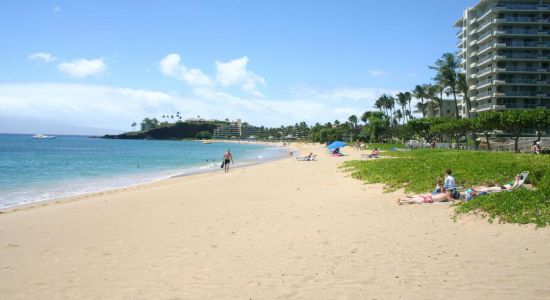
<point x="429" y="198"/>
<point x="308" y="157"/>
<point x="512" y="185"/>
<point x="374" y="153"/>
<point x="470" y="194"/>
<point x="439" y="186"/>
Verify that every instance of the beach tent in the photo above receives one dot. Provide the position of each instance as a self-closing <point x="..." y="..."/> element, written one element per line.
<point x="336" y="144"/>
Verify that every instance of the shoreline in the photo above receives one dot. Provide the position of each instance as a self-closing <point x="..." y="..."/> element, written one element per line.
<point x="286" y="229"/>
<point x="193" y="172"/>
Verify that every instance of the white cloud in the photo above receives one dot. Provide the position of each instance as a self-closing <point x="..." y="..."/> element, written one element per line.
<point x="82" y="68"/>
<point x="234" y="72"/>
<point x="115" y="107"/>
<point x="378" y="73"/>
<point x="41" y="56"/>
<point x="170" y="66"/>
<point x="56" y="9"/>
<point x="345" y="94"/>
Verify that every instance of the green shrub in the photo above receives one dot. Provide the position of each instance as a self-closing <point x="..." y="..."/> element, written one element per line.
<point x="204" y="135"/>
<point x="417" y="171"/>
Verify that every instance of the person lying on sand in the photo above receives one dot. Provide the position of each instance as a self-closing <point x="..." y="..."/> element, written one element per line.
<point x="467" y="195"/>
<point x="429" y="198"/>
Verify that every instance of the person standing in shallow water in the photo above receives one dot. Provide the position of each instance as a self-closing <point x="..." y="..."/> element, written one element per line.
<point x="227" y="158"/>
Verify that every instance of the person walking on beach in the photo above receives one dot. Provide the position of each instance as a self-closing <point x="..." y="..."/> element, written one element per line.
<point x="227" y="158"/>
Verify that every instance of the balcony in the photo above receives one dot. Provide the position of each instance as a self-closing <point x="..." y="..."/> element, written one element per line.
<point x="520" y="69"/>
<point x="481" y="96"/>
<point x="519" y="106"/>
<point x="521" y="81"/>
<point x="517" y="44"/>
<point x="520" y="32"/>
<point x="482" y="37"/>
<point x="516" y="7"/>
<point x="484" y="83"/>
<point x="516" y="20"/>
<point x="484" y="72"/>
<point x="485" y="47"/>
<point x="522" y="56"/>
<point x="487" y="106"/>
<point x="485" y="59"/>
<point x="519" y="94"/>
<point x="484" y="25"/>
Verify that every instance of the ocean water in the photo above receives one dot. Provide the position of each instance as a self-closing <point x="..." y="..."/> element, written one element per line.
<point x="33" y="170"/>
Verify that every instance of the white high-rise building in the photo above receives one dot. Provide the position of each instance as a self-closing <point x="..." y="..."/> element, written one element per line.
<point x="504" y="47"/>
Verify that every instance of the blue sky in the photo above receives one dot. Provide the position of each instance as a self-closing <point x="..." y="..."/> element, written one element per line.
<point x="105" y="64"/>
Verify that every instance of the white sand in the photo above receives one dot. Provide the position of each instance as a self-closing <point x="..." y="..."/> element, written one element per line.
<point x="286" y="230"/>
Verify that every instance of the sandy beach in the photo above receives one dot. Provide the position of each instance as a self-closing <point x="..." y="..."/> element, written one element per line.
<point x="282" y="230"/>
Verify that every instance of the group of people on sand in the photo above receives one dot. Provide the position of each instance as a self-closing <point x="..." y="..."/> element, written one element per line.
<point x="446" y="191"/>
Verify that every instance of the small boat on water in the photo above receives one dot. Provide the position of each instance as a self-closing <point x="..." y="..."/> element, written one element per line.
<point x="43" y="136"/>
<point x="207" y="142"/>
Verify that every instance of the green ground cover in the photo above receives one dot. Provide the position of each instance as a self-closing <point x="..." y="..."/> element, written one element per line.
<point x="416" y="171"/>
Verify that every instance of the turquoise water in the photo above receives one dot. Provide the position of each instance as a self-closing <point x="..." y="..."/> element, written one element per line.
<point x="41" y="169"/>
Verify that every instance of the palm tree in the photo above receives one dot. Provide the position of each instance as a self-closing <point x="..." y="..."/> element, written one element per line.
<point x="420" y="107"/>
<point x="353" y="120"/>
<point x="440" y="89"/>
<point x="447" y="67"/>
<point x="431" y="93"/>
<point x="388" y="103"/>
<point x="398" y="115"/>
<point x="403" y="99"/>
<point x="419" y="92"/>
<point x="379" y="104"/>
<point x="462" y="86"/>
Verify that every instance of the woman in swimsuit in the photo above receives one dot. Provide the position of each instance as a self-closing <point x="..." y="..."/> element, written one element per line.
<point x="508" y="186"/>
<point x="429" y="198"/>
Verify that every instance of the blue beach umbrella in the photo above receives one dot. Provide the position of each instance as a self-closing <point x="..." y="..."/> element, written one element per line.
<point x="336" y="144"/>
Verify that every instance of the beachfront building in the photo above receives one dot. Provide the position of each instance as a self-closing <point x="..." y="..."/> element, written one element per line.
<point x="447" y="105"/>
<point x="504" y="47"/>
<point x="236" y="130"/>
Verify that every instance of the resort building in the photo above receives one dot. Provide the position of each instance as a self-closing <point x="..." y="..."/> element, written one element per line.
<point x="504" y="47"/>
<point x="447" y="106"/>
<point x="236" y="130"/>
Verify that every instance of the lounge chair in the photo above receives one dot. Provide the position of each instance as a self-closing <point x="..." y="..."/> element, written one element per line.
<point x="524" y="175"/>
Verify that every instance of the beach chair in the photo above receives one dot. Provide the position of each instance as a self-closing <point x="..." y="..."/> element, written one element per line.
<point x="524" y="175"/>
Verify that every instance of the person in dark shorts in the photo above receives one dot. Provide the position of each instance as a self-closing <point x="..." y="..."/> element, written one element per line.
<point x="227" y="158"/>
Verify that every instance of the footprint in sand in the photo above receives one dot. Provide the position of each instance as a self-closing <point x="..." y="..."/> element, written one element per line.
<point x="8" y="246"/>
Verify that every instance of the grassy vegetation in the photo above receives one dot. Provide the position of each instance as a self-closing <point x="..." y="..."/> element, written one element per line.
<point x="416" y="171"/>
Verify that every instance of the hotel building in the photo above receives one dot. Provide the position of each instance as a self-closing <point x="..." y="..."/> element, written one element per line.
<point x="504" y="47"/>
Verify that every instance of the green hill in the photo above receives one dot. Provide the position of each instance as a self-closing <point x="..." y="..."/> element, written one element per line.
<point x="170" y="131"/>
